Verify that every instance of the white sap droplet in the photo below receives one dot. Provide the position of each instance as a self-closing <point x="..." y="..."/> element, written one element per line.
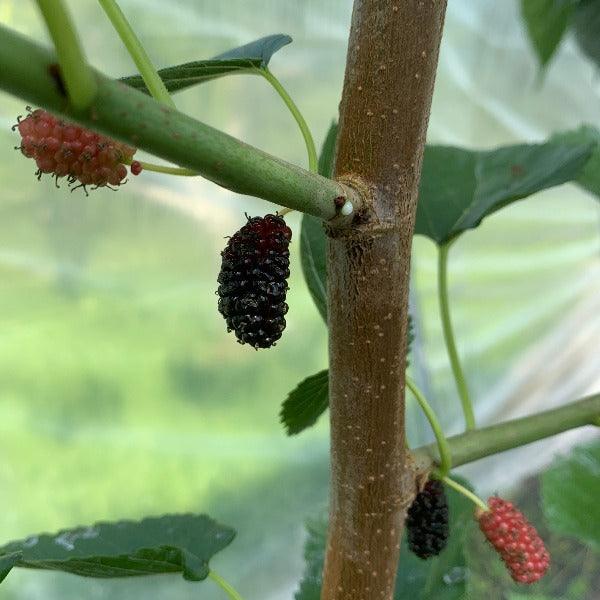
<point x="455" y="575"/>
<point x="348" y="208"/>
<point x="64" y="540"/>
<point x="67" y="539"/>
<point x="30" y="542"/>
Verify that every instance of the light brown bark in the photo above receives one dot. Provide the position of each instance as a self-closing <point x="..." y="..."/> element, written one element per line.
<point x="392" y="58"/>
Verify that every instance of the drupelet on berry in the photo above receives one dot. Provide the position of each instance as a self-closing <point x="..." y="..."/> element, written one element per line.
<point x="68" y="150"/>
<point x="515" y="539"/>
<point x="427" y="521"/>
<point x="253" y="281"/>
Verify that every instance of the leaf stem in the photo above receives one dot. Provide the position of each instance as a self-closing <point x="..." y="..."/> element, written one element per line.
<point x="459" y="377"/>
<point x="78" y="78"/>
<point x="473" y="445"/>
<point x="465" y="492"/>
<point x="153" y="82"/>
<point x="226" y="587"/>
<point x="443" y="449"/>
<point x="147" y="166"/>
<point x="304" y="129"/>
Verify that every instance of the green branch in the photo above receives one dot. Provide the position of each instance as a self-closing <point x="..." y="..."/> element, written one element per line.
<point x="142" y="61"/>
<point x="473" y="445"/>
<point x="77" y="77"/>
<point x="459" y="376"/>
<point x="133" y="117"/>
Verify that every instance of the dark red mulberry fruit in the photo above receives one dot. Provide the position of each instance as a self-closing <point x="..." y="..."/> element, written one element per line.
<point x="136" y="167"/>
<point x="515" y="539"/>
<point x="68" y="150"/>
<point x="427" y="521"/>
<point x="253" y="281"/>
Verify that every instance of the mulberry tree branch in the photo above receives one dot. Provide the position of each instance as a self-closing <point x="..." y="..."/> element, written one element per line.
<point x="474" y="445"/>
<point x="133" y="117"/>
<point x="384" y="111"/>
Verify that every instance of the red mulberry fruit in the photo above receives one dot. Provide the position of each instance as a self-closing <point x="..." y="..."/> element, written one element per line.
<point x="68" y="150"/>
<point x="136" y="167"/>
<point x="427" y="521"/>
<point x="515" y="539"/>
<point x="253" y="281"/>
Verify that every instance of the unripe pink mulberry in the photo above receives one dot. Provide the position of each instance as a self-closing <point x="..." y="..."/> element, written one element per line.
<point x="68" y="150"/>
<point x="515" y="539"/>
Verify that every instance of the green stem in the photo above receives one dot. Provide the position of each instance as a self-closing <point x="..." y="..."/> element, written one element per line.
<point x="313" y="161"/>
<point x="443" y="448"/>
<point x="78" y="79"/>
<point x="153" y="82"/>
<point x="293" y="108"/>
<point x="459" y="376"/>
<point x="147" y="166"/>
<point x="133" y="117"/>
<point x="473" y="445"/>
<point x="465" y="492"/>
<point x="227" y="588"/>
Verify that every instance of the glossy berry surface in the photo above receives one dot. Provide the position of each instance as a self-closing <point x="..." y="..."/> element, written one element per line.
<point x="68" y="150"/>
<point x="515" y="539"/>
<point x="253" y="281"/>
<point x="427" y="521"/>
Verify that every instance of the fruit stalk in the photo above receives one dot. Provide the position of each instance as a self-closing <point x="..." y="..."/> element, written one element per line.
<point x="138" y="120"/>
<point x="461" y="489"/>
<point x="392" y="58"/>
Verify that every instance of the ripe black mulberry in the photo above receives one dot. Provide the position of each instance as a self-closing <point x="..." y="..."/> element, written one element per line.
<point x="427" y="521"/>
<point x="253" y="281"/>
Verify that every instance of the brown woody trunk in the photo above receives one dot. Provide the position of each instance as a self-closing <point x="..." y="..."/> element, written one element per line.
<point x="392" y="57"/>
